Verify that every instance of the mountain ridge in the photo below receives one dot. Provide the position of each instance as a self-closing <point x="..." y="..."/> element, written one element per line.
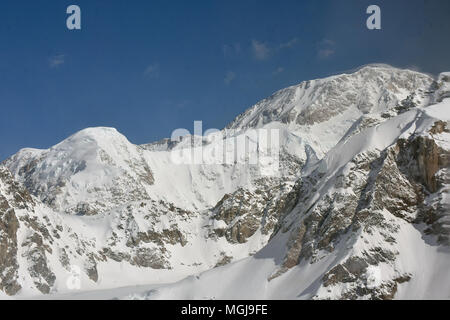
<point x="110" y="204"/>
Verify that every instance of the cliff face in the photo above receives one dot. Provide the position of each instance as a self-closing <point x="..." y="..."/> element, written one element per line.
<point x="12" y="198"/>
<point x="8" y="248"/>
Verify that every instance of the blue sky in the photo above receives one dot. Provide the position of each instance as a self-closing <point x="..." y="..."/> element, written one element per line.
<point x="149" y="67"/>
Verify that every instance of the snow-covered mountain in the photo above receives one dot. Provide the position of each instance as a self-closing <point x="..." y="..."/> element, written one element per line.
<point x="354" y="204"/>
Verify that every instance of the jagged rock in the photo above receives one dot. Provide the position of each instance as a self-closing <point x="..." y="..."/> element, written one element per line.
<point x="149" y="259"/>
<point x="91" y="268"/>
<point x="8" y="249"/>
<point x="245" y="212"/>
<point x="224" y="260"/>
<point x="39" y="269"/>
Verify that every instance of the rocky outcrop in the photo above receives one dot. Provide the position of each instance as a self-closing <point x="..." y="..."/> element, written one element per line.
<point x="422" y="159"/>
<point x="11" y="197"/>
<point x="8" y="248"/>
<point x="246" y="211"/>
<point x="427" y="165"/>
<point x="15" y="199"/>
<point x="39" y="268"/>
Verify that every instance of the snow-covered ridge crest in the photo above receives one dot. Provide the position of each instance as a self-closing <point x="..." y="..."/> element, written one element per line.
<point x="372" y="88"/>
<point x="82" y="173"/>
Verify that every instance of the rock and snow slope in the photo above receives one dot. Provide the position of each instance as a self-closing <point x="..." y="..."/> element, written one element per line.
<point x="360" y="200"/>
<point x="366" y="224"/>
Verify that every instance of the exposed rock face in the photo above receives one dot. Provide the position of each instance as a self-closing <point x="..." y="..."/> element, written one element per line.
<point x="247" y="211"/>
<point x="11" y="196"/>
<point x="39" y="269"/>
<point x="15" y="199"/>
<point x="8" y="248"/>
<point x="354" y="271"/>
<point x="441" y="87"/>
<point x="422" y="158"/>
<point x="427" y="164"/>
<point x="224" y="259"/>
